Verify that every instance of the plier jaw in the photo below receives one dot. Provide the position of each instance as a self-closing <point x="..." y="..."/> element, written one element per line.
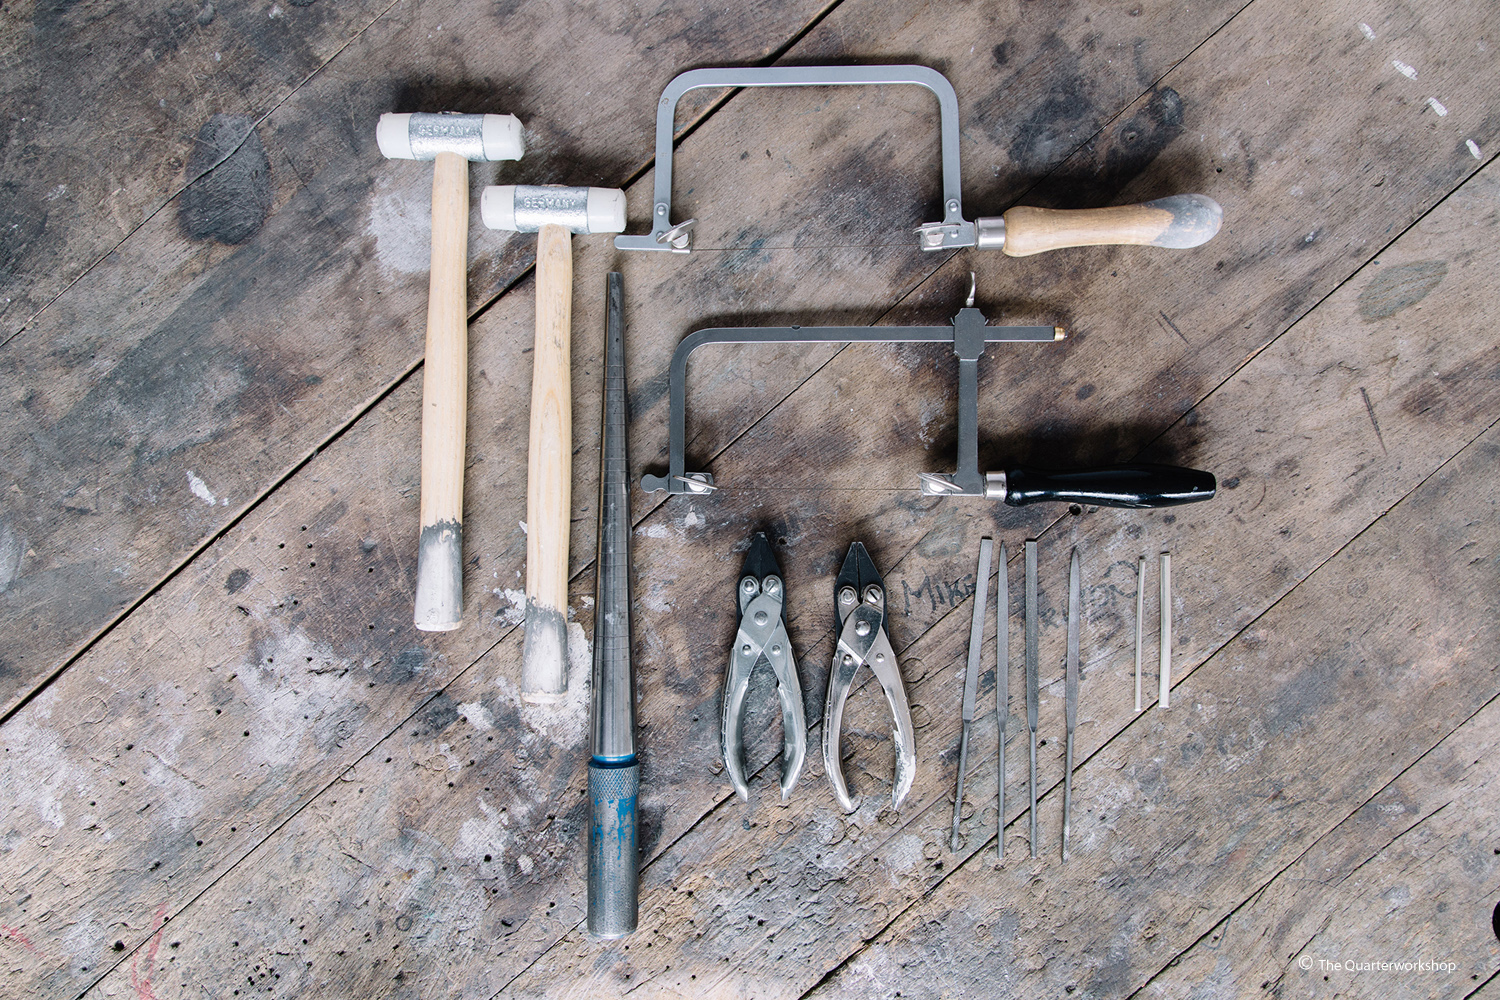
<point x="762" y="638"/>
<point x="860" y="601"/>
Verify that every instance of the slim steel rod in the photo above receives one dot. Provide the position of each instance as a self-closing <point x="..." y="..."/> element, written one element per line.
<point x="971" y="676"/>
<point x="1002" y="691"/>
<point x="1164" y="688"/>
<point x="1033" y="693"/>
<point x="1075" y="610"/>
<point x="1140" y="625"/>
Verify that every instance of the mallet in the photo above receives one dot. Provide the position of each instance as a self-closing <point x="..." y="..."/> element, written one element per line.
<point x="450" y="140"/>
<point x="553" y="212"/>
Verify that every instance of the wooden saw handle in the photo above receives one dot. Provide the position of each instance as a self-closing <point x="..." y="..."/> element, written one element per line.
<point x="549" y="473"/>
<point x="440" y="573"/>
<point x="1180" y="221"/>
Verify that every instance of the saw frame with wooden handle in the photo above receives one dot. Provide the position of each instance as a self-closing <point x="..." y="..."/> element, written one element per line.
<point x="1178" y="222"/>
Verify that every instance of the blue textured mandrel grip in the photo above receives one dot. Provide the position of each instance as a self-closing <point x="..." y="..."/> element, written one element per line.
<point x="614" y="859"/>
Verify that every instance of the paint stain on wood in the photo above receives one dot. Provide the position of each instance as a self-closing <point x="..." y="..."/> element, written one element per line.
<point x="229" y="188"/>
<point x="139" y="981"/>
<point x="1400" y="287"/>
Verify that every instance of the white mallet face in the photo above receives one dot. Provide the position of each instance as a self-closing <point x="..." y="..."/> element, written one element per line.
<point x="525" y="208"/>
<point x="474" y="137"/>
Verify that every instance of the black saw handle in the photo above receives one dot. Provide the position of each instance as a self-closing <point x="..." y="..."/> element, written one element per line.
<point x="1112" y="486"/>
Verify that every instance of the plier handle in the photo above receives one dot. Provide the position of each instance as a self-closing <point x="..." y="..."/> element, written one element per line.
<point x="762" y="638"/>
<point x="860" y="599"/>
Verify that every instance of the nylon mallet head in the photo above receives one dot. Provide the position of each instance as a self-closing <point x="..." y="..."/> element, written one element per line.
<point x="526" y="208"/>
<point x="421" y="136"/>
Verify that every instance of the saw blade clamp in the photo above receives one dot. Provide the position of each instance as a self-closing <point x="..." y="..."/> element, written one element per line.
<point x="952" y="232"/>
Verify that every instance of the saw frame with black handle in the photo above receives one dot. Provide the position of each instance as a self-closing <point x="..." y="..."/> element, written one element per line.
<point x="1139" y="485"/>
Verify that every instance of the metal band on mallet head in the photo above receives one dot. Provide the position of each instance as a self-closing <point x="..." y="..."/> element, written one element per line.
<point x="526" y="208"/>
<point x="421" y="136"/>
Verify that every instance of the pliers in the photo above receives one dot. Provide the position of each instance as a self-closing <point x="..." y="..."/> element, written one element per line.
<point x="859" y="597"/>
<point x="762" y="638"/>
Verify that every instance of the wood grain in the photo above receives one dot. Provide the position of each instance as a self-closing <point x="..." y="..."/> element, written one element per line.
<point x="427" y="830"/>
<point x="445" y="375"/>
<point x="181" y="368"/>
<point x="549" y="471"/>
<point x="1422" y="845"/>
<point x="1295" y="725"/>
<point x="445" y="405"/>
<point x="160" y="97"/>
<point x="1155" y="223"/>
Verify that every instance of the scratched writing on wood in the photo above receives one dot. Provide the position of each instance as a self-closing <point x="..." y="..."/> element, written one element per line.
<point x="938" y="593"/>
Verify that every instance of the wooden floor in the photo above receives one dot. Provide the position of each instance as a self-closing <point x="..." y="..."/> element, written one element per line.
<point x="231" y="766"/>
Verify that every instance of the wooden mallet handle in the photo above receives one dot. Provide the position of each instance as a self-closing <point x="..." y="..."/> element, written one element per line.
<point x="450" y="141"/>
<point x="1180" y="221"/>
<point x="549" y="484"/>
<point x="439" y="599"/>
<point x="554" y="212"/>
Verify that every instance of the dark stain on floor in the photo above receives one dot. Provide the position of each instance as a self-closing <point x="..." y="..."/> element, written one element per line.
<point x="23" y="220"/>
<point x="1054" y="127"/>
<point x="229" y="182"/>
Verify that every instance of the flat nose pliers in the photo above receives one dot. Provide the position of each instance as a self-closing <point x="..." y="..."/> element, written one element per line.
<point x="859" y="596"/>
<point x="762" y="638"/>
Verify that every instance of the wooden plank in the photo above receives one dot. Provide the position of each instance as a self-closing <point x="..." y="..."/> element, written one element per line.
<point x="336" y="632"/>
<point x="353" y="538"/>
<point x="870" y="454"/>
<point x="823" y="884"/>
<point x="1397" y="881"/>
<point x="178" y="380"/>
<point x="1281" y="737"/>
<point x="400" y="815"/>
<point x="684" y="680"/>
<point x="1383" y="303"/>
<point x="498" y="488"/>
<point x="1176" y="324"/>
<point x="126" y="769"/>
<point x="155" y="94"/>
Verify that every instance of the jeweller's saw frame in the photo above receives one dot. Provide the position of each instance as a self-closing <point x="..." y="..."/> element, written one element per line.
<point x="968" y="334"/>
<point x="954" y="231"/>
